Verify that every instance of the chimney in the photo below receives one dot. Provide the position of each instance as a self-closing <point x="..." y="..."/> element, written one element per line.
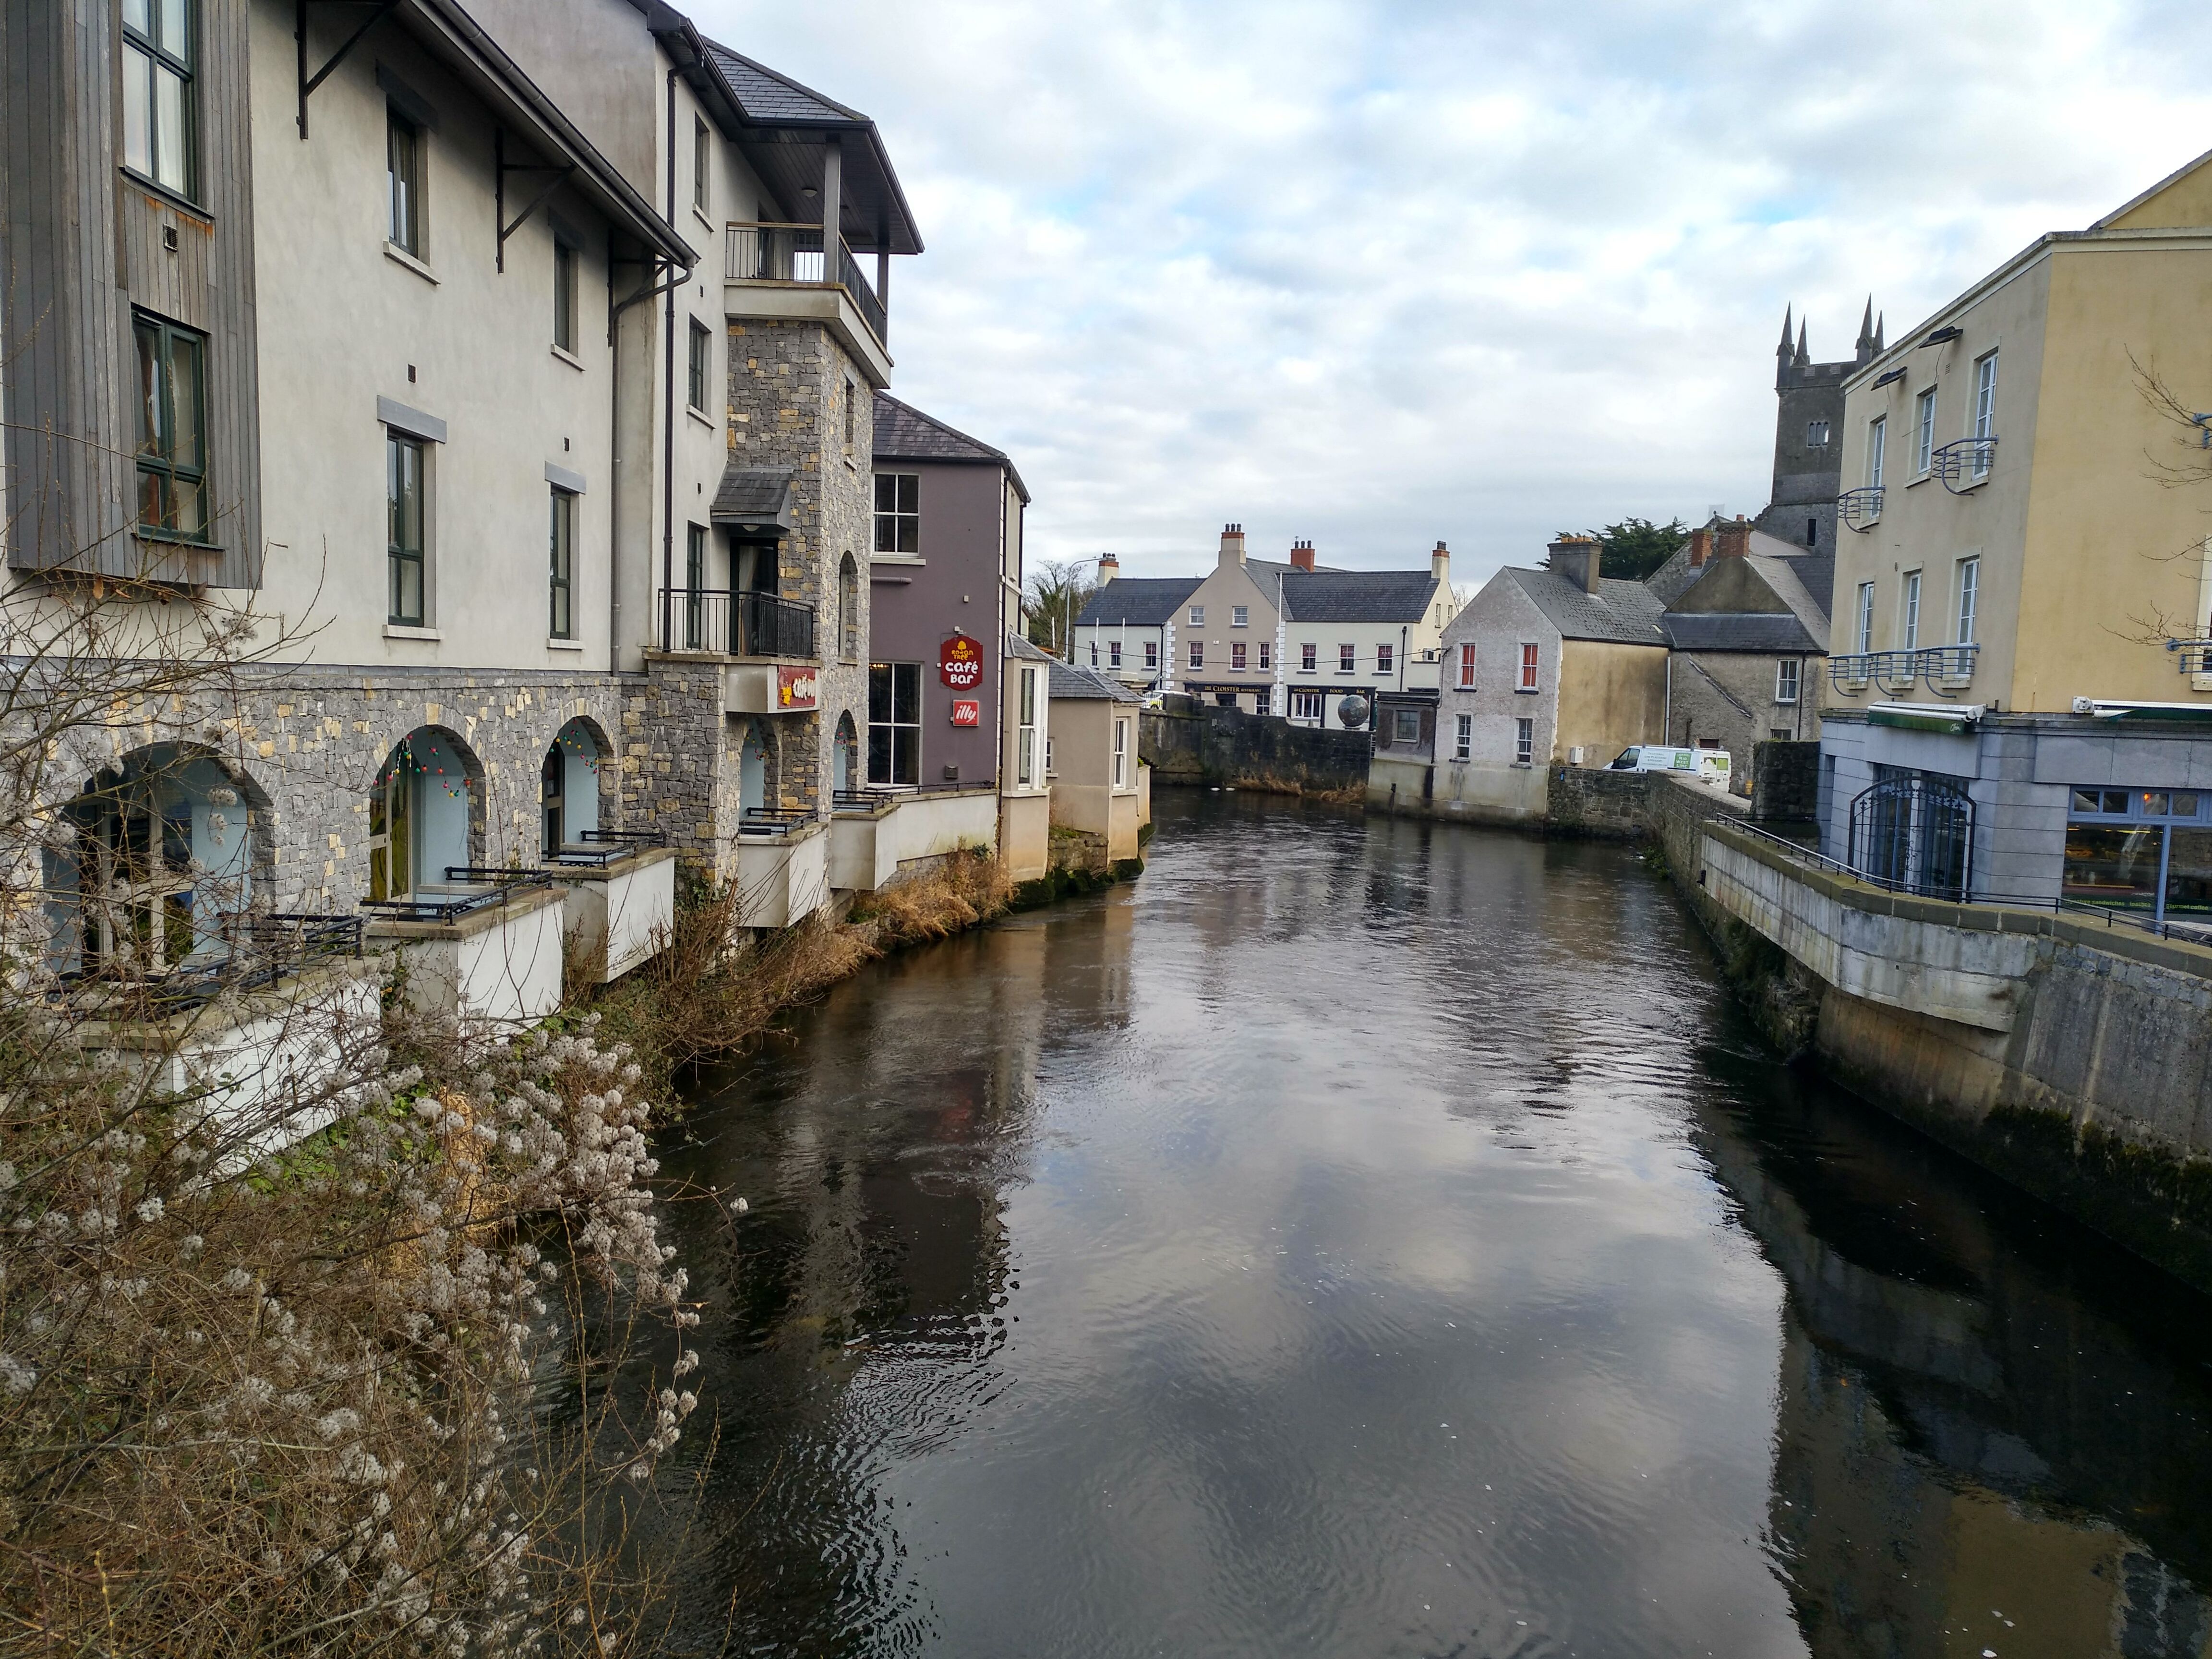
<point x="1701" y="547"/>
<point x="1440" y="566"/>
<point x="1109" y="568"/>
<point x="1734" y="540"/>
<point x="1302" y="556"/>
<point x="1232" y="544"/>
<point x="1576" y="557"/>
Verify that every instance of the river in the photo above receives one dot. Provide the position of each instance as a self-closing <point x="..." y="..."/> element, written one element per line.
<point x="1363" y="1237"/>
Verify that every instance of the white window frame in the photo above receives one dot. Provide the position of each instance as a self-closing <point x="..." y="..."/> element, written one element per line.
<point x="1923" y="433"/>
<point x="1467" y="665"/>
<point x="1113" y="654"/>
<point x="1198" y="654"/>
<point x="1865" y="617"/>
<point x="1198" y="615"/>
<point x="1309" y="658"/>
<point x="1786" y="680"/>
<point x="1386" y="659"/>
<point x="1986" y="408"/>
<point x="1025" y="732"/>
<point x="1120" y="750"/>
<point x="1309" y="704"/>
<point x="1151" y="653"/>
<point x="1463" y="747"/>
<point x="1969" y="598"/>
<point x="1267" y="657"/>
<point x="1237" y="655"/>
<point x="1347" y="659"/>
<point x="1908" y="612"/>
<point x="1524" y="743"/>
<point x="1531" y="675"/>
<point x="1877" y="448"/>
<point x="1240" y="615"/>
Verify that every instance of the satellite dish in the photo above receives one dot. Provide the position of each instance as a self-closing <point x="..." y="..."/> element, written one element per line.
<point x="1353" y="711"/>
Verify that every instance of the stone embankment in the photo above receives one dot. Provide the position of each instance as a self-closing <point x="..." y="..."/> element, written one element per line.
<point x="1201" y="744"/>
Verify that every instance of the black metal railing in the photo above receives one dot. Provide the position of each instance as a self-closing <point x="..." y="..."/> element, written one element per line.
<point x="492" y="885"/>
<point x="1934" y="662"/>
<point x="735" y="622"/>
<point x="772" y="820"/>
<point x="763" y="252"/>
<point x="1858" y="509"/>
<point x="1964" y="463"/>
<point x="595" y="849"/>
<point x="1914" y="835"/>
<point x="259" y="950"/>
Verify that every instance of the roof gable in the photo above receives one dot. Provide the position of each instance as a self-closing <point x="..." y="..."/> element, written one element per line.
<point x="903" y="433"/>
<point x="2183" y="199"/>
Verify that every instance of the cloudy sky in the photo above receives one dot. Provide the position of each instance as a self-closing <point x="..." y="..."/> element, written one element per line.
<point x="1383" y="274"/>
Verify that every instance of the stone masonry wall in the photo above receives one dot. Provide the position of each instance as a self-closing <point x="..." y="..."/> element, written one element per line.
<point x="793" y="389"/>
<point x="1252" y="752"/>
<point x="1730" y="696"/>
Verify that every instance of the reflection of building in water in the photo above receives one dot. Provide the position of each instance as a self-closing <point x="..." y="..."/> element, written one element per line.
<point x="1969" y="1453"/>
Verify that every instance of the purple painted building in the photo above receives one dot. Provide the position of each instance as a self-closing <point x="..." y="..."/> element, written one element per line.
<point x="947" y="562"/>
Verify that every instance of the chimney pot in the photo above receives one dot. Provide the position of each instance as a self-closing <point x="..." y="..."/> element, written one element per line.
<point x="1109" y="568"/>
<point x="1701" y="547"/>
<point x="1232" y="544"/>
<point x="1301" y="555"/>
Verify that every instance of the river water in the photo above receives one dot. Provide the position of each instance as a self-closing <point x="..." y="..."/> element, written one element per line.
<point x="1361" y="1237"/>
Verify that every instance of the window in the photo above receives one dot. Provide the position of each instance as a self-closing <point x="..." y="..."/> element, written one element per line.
<point x="898" y="513"/>
<point x="1198" y="654"/>
<point x="702" y="153"/>
<point x="564" y="621"/>
<point x="1816" y="434"/>
<point x="895" y="721"/>
<point x="1198" y="615"/>
<point x="402" y="160"/>
<point x="564" y="296"/>
<point x="1050" y="770"/>
<point x="695" y="384"/>
<point x="1779" y="734"/>
<point x="1970" y="584"/>
<point x="403" y="469"/>
<point x="1923" y="433"/>
<point x="172" y="411"/>
<point x="1344" y="659"/>
<point x="1524" y="743"/>
<point x="1094" y="654"/>
<point x="1114" y="653"/>
<point x="1120" y="752"/>
<point x="1911" y="614"/>
<point x="1385" y="655"/>
<point x="1151" y="653"/>
<point x="1527" y="667"/>
<point x="160" y="140"/>
<point x="1877" y="444"/>
<point x="1865" y="617"/>
<point x="695" y="583"/>
<point x="1025" y="732"/>
<point x="1467" y="668"/>
<point x="1237" y="657"/>
<point x="1463" y="744"/>
<point x="1812" y="532"/>
<point x="852" y="401"/>
<point x="1240" y="615"/>
<point x="1985" y="404"/>
<point x="1267" y="655"/>
<point x="1405" y="725"/>
<point x="2147" y="850"/>
<point x="1785" y="680"/>
<point x="1306" y="706"/>
<point x="1306" y="654"/>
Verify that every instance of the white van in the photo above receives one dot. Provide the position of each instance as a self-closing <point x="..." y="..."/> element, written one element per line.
<point x="1706" y="765"/>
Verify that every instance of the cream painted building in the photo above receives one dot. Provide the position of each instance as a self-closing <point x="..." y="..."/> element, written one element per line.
<point x="2016" y="687"/>
<point x="1097" y="784"/>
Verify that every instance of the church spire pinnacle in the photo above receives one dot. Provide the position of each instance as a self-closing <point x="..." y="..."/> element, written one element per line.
<point x="1867" y="342"/>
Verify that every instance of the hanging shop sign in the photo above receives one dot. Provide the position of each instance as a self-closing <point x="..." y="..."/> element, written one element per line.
<point x="960" y="663"/>
<point x="967" y="711"/>
<point x="797" y="688"/>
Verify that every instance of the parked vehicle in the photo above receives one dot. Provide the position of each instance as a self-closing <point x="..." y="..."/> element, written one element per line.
<point x="1706" y="765"/>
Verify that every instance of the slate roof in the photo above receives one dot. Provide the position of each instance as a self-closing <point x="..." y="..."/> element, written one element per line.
<point x="1140" y="601"/>
<point x="1672" y="579"/>
<point x="1358" y="596"/>
<point x="759" y="494"/>
<point x="768" y="96"/>
<point x="903" y="433"/>
<point x="1070" y="681"/>
<point x="1769" y="633"/>
<point x="1624" y="613"/>
<point x="1020" y="645"/>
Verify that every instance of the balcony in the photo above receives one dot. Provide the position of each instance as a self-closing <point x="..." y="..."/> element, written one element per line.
<point x="790" y="256"/>
<point x="1965" y="464"/>
<point x="735" y="622"/>
<point x="1859" y="509"/>
<point x="1947" y="666"/>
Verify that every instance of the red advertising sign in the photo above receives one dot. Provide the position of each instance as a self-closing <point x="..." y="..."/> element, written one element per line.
<point x="797" y="688"/>
<point x="960" y="663"/>
<point x="967" y="711"/>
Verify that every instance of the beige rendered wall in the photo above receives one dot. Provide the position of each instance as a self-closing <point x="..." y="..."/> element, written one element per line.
<point x="2114" y="560"/>
<point x="1084" y="795"/>
<point x="1610" y="696"/>
<point x="1025" y="835"/>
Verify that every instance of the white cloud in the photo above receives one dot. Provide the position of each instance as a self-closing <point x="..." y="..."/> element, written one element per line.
<point x="1383" y="274"/>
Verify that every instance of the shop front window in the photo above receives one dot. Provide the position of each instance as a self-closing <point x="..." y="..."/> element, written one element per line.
<point x="2148" y="851"/>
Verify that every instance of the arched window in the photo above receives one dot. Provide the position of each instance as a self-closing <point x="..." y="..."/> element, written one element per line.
<point x="419" y="813"/>
<point x="849" y="611"/>
<point x="752" y="770"/>
<point x="157" y="868"/>
<point x="568" y="786"/>
<point x="849" y="754"/>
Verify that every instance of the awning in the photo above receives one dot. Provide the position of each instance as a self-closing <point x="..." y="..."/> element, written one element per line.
<point x="756" y="501"/>
<point x="1952" y="718"/>
<point x="2143" y="711"/>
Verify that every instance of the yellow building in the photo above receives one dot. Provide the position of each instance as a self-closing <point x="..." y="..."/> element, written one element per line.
<point x="2022" y="592"/>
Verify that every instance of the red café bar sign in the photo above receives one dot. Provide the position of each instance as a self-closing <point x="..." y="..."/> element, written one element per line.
<point x="797" y="688"/>
<point x="960" y="663"/>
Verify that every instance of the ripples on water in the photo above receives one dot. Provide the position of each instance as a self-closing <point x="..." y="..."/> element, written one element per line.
<point x="1367" y="1238"/>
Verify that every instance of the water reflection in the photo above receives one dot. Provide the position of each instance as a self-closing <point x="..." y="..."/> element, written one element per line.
<point x="1369" y="1238"/>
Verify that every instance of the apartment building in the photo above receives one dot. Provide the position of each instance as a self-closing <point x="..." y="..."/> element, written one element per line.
<point x="2017" y="695"/>
<point x="1127" y="627"/>
<point x="518" y="403"/>
<point x="1228" y="633"/>
<point x="1355" y="640"/>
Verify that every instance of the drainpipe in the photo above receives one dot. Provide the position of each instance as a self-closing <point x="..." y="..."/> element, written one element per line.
<point x="1667" y="714"/>
<point x="668" y="391"/>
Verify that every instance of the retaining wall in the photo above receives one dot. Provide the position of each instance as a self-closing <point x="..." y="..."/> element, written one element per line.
<point x="1215" y="745"/>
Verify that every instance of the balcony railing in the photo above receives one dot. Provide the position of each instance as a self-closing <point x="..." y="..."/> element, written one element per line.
<point x="735" y="622"/>
<point x="258" y="950"/>
<point x="763" y="251"/>
<point x="1963" y="464"/>
<point x="1859" y="509"/>
<point x="772" y="820"/>
<point x="2195" y="655"/>
<point x="1950" y="663"/>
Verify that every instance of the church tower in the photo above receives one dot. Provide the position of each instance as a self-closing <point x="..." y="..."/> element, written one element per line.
<point x="1808" y="434"/>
